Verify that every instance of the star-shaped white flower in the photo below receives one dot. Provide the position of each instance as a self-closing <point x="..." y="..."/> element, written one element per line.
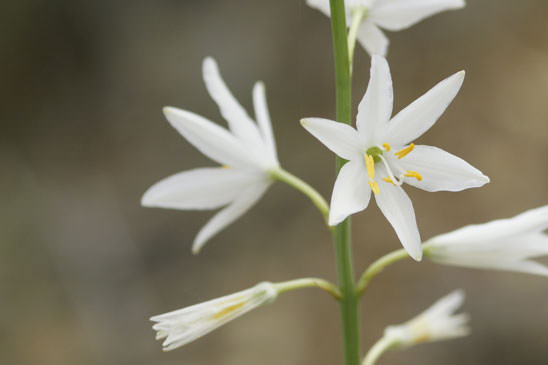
<point x="434" y="324"/>
<point x="504" y="244"/>
<point x="382" y="157"/>
<point x="188" y="324"/>
<point x="246" y="152"/>
<point x="391" y="15"/>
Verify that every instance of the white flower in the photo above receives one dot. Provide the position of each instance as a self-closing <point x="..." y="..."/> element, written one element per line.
<point x="392" y="15"/>
<point x="247" y="151"/>
<point x="381" y="157"/>
<point x="504" y="244"/>
<point x="188" y="324"/>
<point x="434" y="324"/>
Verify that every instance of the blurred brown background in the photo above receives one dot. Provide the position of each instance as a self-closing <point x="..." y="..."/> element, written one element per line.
<point x="82" y="265"/>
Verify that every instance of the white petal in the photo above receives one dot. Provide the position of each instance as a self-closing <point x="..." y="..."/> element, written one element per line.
<point x="263" y="118"/>
<point x="523" y="266"/>
<point x="534" y="220"/>
<point x="212" y="140"/>
<point x="351" y="193"/>
<point x="203" y="188"/>
<point x="445" y="306"/>
<point x="398" y="209"/>
<point x="441" y="170"/>
<point x="338" y="137"/>
<point x="420" y="115"/>
<point x="515" y="247"/>
<point x="372" y="39"/>
<point x="229" y="214"/>
<point x="526" y="267"/>
<point x="238" y="120"/>
<point x="375" y="109"/>
<point x="533" y="245"/>
<point x="321" y="5"/>
<point x="400" y="14"/>
<point x="450" y="327"/>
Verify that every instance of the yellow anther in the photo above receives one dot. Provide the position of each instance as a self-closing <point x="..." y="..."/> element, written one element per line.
<point x="420" y="330"/>
<point x="414" y="174"/>
<point x="405" y="151"/>
<point x="370" y="165"/>
<point x="226" y="167"/>
<point x="387" y="147"/>
<point x="374" y="186"/>
<point x="228" y="310"/>
<point x="388" y="180"/>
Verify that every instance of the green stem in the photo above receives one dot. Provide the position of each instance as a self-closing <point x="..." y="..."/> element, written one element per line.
<point x="303" y="187"/>
<point x="349" y="299"/>
<point x="308" y="283"/>
<point x="379" y="348"/>
<point x="341" y="234"/>
<point x="358" y="15"/>
<point x="378" y="266"/>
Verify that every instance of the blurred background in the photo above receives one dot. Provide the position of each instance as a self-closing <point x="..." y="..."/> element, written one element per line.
<point x="83" y="265"/>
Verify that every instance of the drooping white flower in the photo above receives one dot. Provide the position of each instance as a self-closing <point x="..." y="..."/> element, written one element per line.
<point x="434" y="324"/>
<point x="246" y="150"/>
<point x="382" y="157"/>
<point x="391" y="15"/>
<point x="504" y="244"/>
<point x="188" y="324"/>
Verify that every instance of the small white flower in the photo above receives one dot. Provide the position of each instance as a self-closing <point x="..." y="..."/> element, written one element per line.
<point x="188" y="324"/>
<point x="247" y="151"/>
<point x="434" y="324"/>
<point x="381" y="157"/>
<point x="504" y="244"/>
<point x="392" y="15"/>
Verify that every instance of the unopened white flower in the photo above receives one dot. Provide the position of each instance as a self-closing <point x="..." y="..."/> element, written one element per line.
<point x="246" y="152"/>
<point x="382" y="157"/>
<point x="504" y="244"/>
<point x="391" y="15"/>
<point x="188" y="324"/>
<point x="436" y="323"/>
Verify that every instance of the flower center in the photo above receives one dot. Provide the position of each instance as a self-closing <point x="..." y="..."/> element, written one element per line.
<point x="374" y="155"/>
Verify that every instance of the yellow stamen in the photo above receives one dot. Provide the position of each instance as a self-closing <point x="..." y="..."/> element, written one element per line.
<point x="226" y="167"/>
<point x="414" y="174"/>
<point x="374" y="186"/>
<point x="405" y="151"/>
<point x="228" y="310"/>
<point x="387" y="147"/>
<point x="388" y="180"/>
<point x="370" y="165"/>
<point x="420" y="330"/>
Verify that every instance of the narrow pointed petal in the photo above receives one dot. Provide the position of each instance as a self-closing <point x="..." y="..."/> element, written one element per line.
<point x="338" y="137"/>
<point x="420" y="115"/>
<point x="534" y="220"/>
<point x="526" y="267"/>
<point x="440" y="170"/>
<point x="372" y="39"/>
<point x="375" y="109"/>
<point x="238" y="120"/>
<point x="229" y="214"/>
<point x="400" y="14"/>
<point x="212" y="140"/>
<point x="263" y="118"/>
<point x="522" y="266"/>
<point x="321" y="5"/>
<point x="203" y="188"/>
<point x="398" y="209"/>
<point x="351" y="193"/>
<point x="445" y="306"/>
